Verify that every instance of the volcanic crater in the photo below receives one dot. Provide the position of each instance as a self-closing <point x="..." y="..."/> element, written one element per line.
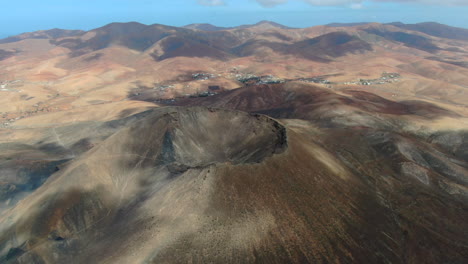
<point x="196" y="137"/>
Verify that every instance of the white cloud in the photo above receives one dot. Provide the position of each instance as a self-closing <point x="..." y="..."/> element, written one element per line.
<point x="356" y="4"/>
<point x="212" y="2"/>
<point x="271" y="3"/>
<point x="352" y="3"/>
<point x="435" y="2"/>
<point x="332" y="2"/>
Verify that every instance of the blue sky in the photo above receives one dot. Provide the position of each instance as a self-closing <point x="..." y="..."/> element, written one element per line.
<point x="30" y="15"/>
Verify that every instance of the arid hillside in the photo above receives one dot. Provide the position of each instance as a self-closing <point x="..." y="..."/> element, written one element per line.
<point x="134" y="143"/>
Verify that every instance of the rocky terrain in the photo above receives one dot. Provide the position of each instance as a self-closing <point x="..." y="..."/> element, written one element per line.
<point x="345" y="143"/>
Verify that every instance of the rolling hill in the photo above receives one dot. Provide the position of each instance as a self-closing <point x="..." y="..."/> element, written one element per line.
<point x="134" y="143"/>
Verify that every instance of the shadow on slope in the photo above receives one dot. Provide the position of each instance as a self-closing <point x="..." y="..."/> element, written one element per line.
<point x="322" y="48"/>
<point x="90" y="195"/>
<point x="295" y="100"/>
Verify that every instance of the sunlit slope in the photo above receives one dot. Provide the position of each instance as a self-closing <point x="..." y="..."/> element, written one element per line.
<point x="211" y="185"/>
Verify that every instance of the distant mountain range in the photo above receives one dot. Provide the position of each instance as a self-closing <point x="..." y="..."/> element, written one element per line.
<point x="209" y="27"/>
<point x="430" y="28"/>
<point x="205" y="40"/>
<point x="43" y="34"/>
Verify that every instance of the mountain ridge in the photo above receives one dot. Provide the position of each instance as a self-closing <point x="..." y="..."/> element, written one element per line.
<point x="422" y="27"/>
